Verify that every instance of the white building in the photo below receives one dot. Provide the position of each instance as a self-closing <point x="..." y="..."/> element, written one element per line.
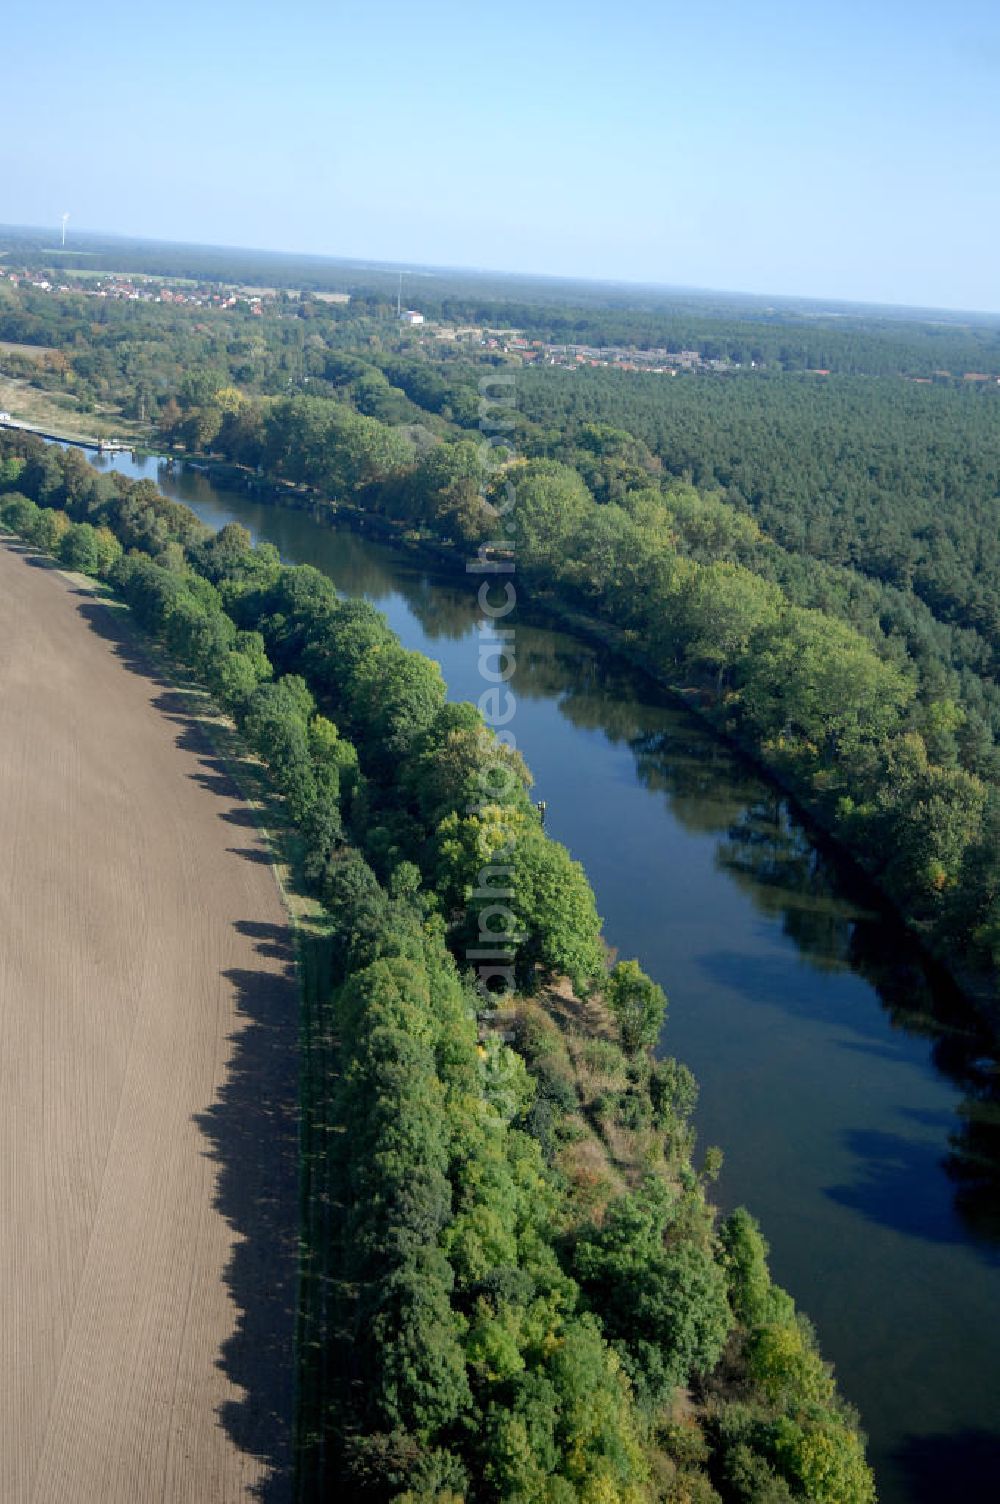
<point x="411" y="316"/>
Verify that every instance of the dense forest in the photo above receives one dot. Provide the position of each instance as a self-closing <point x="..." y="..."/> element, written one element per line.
<point x="524" y="1293"/>
<point x="898" y="483"/>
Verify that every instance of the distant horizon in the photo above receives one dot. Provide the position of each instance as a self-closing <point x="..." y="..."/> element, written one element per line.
<point x="397" y="264"/>
<point x="840" y="147"/>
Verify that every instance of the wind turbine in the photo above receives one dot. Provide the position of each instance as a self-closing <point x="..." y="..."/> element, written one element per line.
<point x="64" y="219"/>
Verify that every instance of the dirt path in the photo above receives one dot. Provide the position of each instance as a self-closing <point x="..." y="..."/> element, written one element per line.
<point x="148" y="1032"/>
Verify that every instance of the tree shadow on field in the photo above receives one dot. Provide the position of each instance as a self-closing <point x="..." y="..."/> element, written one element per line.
<point x="272" y="939"/>
<point x="251" y="1127"/>
<point x="252" y="1130"/>
<point x="252" y="854"/>
<point x="113" y="623"/>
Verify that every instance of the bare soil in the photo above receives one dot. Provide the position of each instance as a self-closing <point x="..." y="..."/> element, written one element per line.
<point x="148" y="1084"/>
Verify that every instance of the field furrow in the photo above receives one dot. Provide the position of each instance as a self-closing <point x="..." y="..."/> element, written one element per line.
<point x="148" y="1038"/>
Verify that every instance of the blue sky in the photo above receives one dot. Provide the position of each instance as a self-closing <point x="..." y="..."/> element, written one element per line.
<point x="821" y="147"/>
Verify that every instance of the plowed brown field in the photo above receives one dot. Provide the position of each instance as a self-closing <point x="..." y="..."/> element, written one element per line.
<point x="148" y="1031"/>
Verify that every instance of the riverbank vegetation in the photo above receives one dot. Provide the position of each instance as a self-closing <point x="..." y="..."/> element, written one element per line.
<point x="518" y="1287"/>
<point x="892" y="750"/>
<point x="804" y="542"/>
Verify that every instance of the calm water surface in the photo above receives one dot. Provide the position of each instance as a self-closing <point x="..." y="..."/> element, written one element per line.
<point x="833" y="1073"/>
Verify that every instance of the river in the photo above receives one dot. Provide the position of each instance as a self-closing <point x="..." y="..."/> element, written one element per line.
<point x="834" y="1073"/>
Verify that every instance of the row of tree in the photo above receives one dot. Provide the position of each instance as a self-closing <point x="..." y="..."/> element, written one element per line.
<point x="492" y="1334"/>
